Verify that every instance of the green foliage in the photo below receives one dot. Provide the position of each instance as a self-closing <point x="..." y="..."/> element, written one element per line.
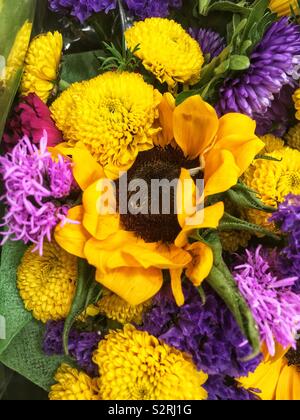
<point x="88" y="292"/>
<point x="207" y="6"/>
<point x="221" y="280"/>
<point x="13" y="15"/>
<point x="80" y="66"/>
<point x="249" y="23"/>
<point x="124" y="60"/>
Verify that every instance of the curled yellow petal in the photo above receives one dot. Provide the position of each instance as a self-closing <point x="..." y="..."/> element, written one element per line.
<point x="202" y="262"/>
<point x="86" y="170"/>
<point x="135" y="285"/>
<point x="166" y="109"/>
<point x="195" y="125"/>
<point x="176" y="285"/>
<point x="71" y="235"/>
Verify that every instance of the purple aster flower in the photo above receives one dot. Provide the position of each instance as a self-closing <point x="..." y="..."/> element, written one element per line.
<point x="35" y="185"/>
<point x="152" y="8"/>
<point x="275" y="308"/>
<point x="82" y="9"/>
<point x="207" y="331"/>
<point x="82" y="345"/>
<point x="288" y="218"/>
<point x="222" y="388"/>
<point x="274" y="64"/>
<point x="210" y="42"/>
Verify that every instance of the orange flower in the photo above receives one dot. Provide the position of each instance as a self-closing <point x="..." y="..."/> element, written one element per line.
<point x="127" y="264"/>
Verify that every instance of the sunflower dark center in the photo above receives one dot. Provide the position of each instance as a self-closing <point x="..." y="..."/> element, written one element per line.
<point x="293" y="356"/>
<point x="163" y="167"/>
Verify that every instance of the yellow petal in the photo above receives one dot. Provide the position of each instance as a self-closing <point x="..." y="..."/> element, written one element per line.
<point x="186" y="197"/>
<point x="201" y="264"/>
<point x="265" y="378"/>
<point x="237" y="135"/>
<point x="176" y="285"/>
<point x="166" y="109"/>
<point x="100" y="220"/>
<point x="210" y="219"/>
<point x="288" y="388"/>
<point x="221" y="171"/>
<point x="86" y="169"/>
<point x="195" y="125"/>
<point x="135" y="285"/>
<point x="72" y="237"/>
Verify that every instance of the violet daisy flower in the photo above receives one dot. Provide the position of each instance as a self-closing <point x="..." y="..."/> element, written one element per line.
<point x="288" y="218"/>
<point x="207" y="331"/>
<point x="35" y="185"/>
<point x="82" y="345"/>
<point x="274" y="64"/>
<point x="275" y="308"/>
<point x="210" y="42"/>
<point x="82" y="9"/>
<point x="222" y="388"/>
<point x="143" y="9"/>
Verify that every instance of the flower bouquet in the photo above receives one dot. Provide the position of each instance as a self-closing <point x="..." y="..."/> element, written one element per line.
<point x="150" y="172"/>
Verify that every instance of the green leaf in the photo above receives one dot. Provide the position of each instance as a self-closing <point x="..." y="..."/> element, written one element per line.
<point x="221" y="280"/>
<point x="203" y="6"/>
<point x="15" y="316"/>
<point x="229" y="223"/>
<point x="239" y="62"/>
<point x="88" y="292"/>
<point x="228" y="6"/>
<point x="80" y="66"/>
<point x="244" y="198"/>
<point x="15" y="18"/>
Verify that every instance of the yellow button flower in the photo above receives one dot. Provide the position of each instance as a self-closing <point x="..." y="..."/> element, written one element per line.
<point x="283" y="7"/>
<point x="42" y="65"/>
<point x="47" y="283"/>
<point x="166" y="50"/>
<point x="113" y="115"/>
<point x="137" y="366"/>
<point x="73" y="385"/>
<point x="130" y="252"/>
<point x="293" y="137"/>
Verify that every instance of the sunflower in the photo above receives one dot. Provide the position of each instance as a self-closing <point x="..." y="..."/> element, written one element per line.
<point x="273" y="180"/>
<point x="166" y="50"/>
<point x="137" y="366"/>
<point x="72" y="385"/>
<point x="277" y="379"/>
<point x="132" y="251"/>
<point x="47" y="283"/>
<point x="283" y="7"/>
<point x="113" y="115"/>
<point x="42" y="65"/>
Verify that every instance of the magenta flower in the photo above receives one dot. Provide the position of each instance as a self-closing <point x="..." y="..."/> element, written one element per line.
<point x="30" y="118"/>
<point x="275" y="307"/>
<point x="36" y="188"/>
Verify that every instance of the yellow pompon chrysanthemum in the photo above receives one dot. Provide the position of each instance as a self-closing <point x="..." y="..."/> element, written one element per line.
<point x="233" y="240"/>
<point x="273" y="180"/>
<point x="137" y="366"/>
<point x="17" y="54"/>
<point x="293" y="137"/>
<point x="272" y="143"/>
<point x="42" y="65"/>
<point x="296" y="99"/>
<point x="113" y="115"/>
<point x="166" y="50"/>
<point x="118" y="309"/>
<point x="47" y="283"/>
<point x="283" y="7"/>
<point x="73" y="385"/>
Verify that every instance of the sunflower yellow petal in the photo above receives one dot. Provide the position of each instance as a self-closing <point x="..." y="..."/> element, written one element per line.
<point x="195" y="125"/>
<point x="288" y="388"/>
<point x="95" y="221"/>
<point x="166" y="110"/>
<point x="72" y="237"/>
<point x="86" y="170"/>
<point x="176" y="284"/>
<point x="135" y="285"/>
<point x="221" y="172"/>
<point x="237" y="135"/>
<point x="201" y="264"/>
